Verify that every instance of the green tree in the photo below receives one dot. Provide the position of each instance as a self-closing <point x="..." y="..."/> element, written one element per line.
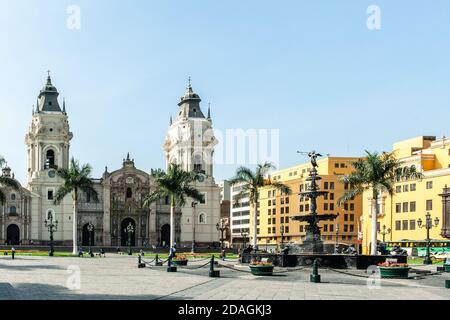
<point x="76" y="178"/>
<point x="6" y="182"/>
<point x="376" y="173"/>
<point x="177" y="185"/>
<point x="252" y="182"/>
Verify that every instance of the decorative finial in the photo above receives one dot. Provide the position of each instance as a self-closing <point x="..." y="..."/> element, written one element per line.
<point x="37" y="105"/>
<point x="171" y="120"/>
<point x="64" y="105"/>
<point x="209" y="111"/>
<point x="189" y="82"/>
<point x="49" y="80"/>
<point x="128" y="156"/>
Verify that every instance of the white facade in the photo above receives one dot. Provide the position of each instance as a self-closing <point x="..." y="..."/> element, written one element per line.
<point x="190" y="143"/>
<point x="240" y="217"/>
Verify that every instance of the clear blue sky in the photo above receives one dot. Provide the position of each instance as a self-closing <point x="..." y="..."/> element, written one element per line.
<point x="309" y="68"/>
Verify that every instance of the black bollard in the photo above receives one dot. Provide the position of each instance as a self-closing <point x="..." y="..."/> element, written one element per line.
<point x="13" y="253"/>
<point x="157" y="262"/>
<point x="315" y="277"/>
<point x="213" y="273"/>
<point x="171" y="268"/>
<point x="140" y="264"/>
<point x="447" y="284"/>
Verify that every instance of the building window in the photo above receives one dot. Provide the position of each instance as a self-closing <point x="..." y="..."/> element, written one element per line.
<point x="269" y="221"/>
<point x="50" y="194"/>
<point x="405" y="188"/>
<point x="346" y="186"/>
<point x="412" y="224"/>
<point x="412" y="206"/>
<point x="405" y="224"/>
<point x="331" y="227"/>
<point x="325" y="185"/>
<point x="287" y="210"/>
<point x="12" y="210"/>
<point x="204" y="198"/>
<point x="398" y="225"/>
<point x="325" y="206"/>
<point x="352" y="217"/>
<point x="345" y="227"/>
<point x="412" y="187"/>
<point x="301" y="208"/>
<point x="332" y="206"/>
<point x="331" y="185"/>
<point x="352" y="228"/>
<point x="429" y="184"/>
<point x="129" y="193"/>
<point x="352" y="207"/>
<point x="301" y="228"/>
<point x="405" y="207"/>
<point x="346" y="206"/>
<point x="345" y="217"/>
<point x="325" y="228"/>
<point x="282" y="219"/>
<point x="398" y="189"/>
<point x="331" y="196"/>
<point x="13" y="196"/>
<point x="287" y="200"/>
<point x="202" y="218"/>
<point x="282" y="210"/>
<point x="50" y="159"/>
<point x="282" y="200"/>
<point x="398" y="207"/>
<point x="429" y="205"/>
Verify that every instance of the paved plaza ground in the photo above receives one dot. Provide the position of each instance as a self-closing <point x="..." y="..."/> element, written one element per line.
<point x="117" y="277"/>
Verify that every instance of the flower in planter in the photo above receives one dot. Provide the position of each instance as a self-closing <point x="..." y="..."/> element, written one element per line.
<point x="260" y="263"/>
<point x="393" y="265"/>
<point x="180" y="257"/>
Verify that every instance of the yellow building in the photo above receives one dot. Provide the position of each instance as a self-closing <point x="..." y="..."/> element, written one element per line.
<point x="399" y="214"/>
<point x="276" y="210"/>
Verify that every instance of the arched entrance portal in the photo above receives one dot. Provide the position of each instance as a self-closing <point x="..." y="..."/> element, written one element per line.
<point x="85" y="236"/>
<point x="124" y="233"/>
<point x="13" y="235"/>
<point x="165" y="235"/>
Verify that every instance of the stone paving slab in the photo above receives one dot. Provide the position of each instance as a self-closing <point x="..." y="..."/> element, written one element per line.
<point x="117" y="277"/>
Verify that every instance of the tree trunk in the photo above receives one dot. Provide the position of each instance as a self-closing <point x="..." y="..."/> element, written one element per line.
<point x="255" y="226"/>
<point x="172" y="223"/>
<point x="75" y="227"/>
<point x="374" y="246"/>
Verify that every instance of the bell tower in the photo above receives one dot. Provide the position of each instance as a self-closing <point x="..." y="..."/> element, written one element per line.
<point x="48" y="137"/>
<point x="190" y="143"/>
<point x="48" y="142"/>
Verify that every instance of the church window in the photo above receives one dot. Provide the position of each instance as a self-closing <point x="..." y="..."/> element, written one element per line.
<point x="13" y="196"/>
<point x="50" y="194"/>
<point x="129" y="193"/>
<point x="49" y="103"/>
<point x="202" y="218"/>
<point x="50" y="159"/>
<point x="203" y="201"/>
<point x="12" y="210"/>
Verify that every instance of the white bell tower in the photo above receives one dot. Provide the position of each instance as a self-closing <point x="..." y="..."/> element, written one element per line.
<point x="48" y="142"/>
<point x="190" y="143"/>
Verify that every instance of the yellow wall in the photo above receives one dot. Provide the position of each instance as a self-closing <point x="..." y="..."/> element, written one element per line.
<point x="294" y="177"/>
<point x="434" y="162"/>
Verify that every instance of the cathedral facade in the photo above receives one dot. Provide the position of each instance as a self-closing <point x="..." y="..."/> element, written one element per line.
<point x="189" y="143"/>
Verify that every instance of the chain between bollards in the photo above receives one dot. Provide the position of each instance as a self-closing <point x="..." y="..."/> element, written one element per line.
<point x="315" y="277"/>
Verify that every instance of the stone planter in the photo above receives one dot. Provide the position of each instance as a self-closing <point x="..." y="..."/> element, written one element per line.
<point x="394" y="272"/>
<point x="262" y="270"/>
<point x="180" y="262"/>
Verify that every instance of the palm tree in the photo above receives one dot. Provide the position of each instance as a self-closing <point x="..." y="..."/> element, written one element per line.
<point x="175" y="184"/>
<point x="76" y="179"/>
<point x="251" y="182"/>
<point x="376" y="173"/>
<point x="6" y="182"/>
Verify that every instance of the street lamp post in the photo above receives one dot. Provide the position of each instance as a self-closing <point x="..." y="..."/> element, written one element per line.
<point x="194" y="205"/>
<point x="428" y="225"/>
<point x="336" y="245"/>
<point x="385" y="232"/>
<point x="244" y="235"/>
<point x="222" y="226"/>
<point x="282" y="236"/>
<point x="90" y="229"/>
<point x="129" y="230"/>
<point x="52" y="227"/>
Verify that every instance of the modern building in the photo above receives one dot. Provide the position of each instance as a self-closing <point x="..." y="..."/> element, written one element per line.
<point x="240" y="218"/>
<point x="190" y="143"/>
<point x="276" y="226"/>
<point x="413" y="199"/>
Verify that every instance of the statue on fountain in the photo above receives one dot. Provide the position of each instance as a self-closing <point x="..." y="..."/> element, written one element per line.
<point x="312" y="242"/>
